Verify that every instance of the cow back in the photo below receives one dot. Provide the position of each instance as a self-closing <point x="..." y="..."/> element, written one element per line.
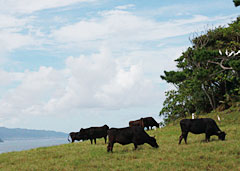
<point x="94" y="132"/>
<point x="150" y="121"/>
<point x="198" y="126"/>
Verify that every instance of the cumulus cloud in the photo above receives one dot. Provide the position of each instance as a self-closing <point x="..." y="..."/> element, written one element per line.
<point x="95" y="81"/>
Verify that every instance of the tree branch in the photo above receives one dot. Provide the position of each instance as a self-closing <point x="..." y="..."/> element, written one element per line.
<point x="221" y="64"/>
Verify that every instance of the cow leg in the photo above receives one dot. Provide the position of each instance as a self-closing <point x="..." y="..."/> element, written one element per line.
<point x="105" y="138"/>
<point x="185" y="137"/>
<point x="147" y="127"/>
<point x="91" y="141"/>
<point x="207" y="138"/>
<point x="110" y="147"/>
<point x="135" y="146"/>
<point x="180" y="139"/>
<point x="95" y="140"/>
<point x="73" y="140"/>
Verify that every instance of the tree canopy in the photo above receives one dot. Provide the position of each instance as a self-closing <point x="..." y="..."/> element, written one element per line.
<point x="236" y="2"/>
<point x="208" y="74"/>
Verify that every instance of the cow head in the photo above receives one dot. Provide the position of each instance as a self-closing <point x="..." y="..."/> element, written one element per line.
<point x="156" y="124"/>
<point x="221" y="135"/>
<point x="152" y="141"/>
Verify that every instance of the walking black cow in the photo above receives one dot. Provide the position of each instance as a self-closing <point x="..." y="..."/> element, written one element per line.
<point x="94" y="132"/>
<point x="135" y="135"/>
<point x="74" y="136"/>
<point x="149" y="122"/>
<point x="199" y="126"/>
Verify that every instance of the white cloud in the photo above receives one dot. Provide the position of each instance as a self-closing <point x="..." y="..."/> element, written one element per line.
<point x="29" y="6"/>
<point x="12" y="36"/>
<point x="7" y="78"/>
<point x="17" y="31"/>
<point x="10" y="40"/>
<point x="124" y="7"/>
<point x="95" y="81"/>
<point x="8" y="22"/>
<point x="123" y="30"/>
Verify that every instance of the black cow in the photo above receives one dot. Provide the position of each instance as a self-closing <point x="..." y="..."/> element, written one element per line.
<point x="137" y="123"/>
<point x="74" y="136"/>
<point x="135" y="135"/>
<point x="150" y="122"/>
<point x="199" y="126"/>
<point x="94" y="132"/>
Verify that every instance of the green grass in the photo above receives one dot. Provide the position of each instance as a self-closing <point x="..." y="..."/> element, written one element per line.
<point x="196" y="155"/>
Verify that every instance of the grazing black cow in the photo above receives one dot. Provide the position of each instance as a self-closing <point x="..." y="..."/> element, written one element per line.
<point x="94" y="132"/>
<point x="199" y="126"/>
<point x="137" y="123"/>
<point x="74" y="136"/>
<point x="135" y="135"/>
<point x="150" y="122"/>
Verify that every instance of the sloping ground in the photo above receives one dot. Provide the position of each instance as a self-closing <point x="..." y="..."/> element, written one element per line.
<point x="196" y="155"/>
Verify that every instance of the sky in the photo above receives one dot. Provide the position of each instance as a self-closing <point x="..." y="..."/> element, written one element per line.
<point x="71" y="64"/>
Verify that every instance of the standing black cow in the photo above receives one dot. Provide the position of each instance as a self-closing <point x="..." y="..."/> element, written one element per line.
<point x="149" y="122"/>
<point x="135" y="135"/>
<point x="74" y="136"/>
<point x="199" y="126"/>
<point x="94" y="132"/>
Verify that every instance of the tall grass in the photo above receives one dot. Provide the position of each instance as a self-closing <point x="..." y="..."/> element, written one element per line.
<point x="196" y="155"/>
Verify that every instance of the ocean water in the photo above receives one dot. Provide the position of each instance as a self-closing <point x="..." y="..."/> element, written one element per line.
<point x="26" y="144"/>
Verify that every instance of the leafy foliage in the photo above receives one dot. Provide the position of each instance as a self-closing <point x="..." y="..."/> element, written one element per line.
<point x="236" y="2"/>
<point x="208" y="74"/>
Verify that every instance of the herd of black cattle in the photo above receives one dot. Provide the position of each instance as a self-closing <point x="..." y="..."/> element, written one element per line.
<point x="136" y="134"/>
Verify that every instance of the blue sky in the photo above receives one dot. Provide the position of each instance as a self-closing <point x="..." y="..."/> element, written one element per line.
<point x="71" y="64"/>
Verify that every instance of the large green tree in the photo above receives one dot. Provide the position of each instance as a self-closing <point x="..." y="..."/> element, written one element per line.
<point x="208" y="74"/>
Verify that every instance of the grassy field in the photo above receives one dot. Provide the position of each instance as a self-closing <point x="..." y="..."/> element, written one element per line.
<point x="196" y="155"/>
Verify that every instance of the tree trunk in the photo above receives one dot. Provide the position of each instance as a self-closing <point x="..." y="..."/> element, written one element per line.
<point x="209" y="97"/>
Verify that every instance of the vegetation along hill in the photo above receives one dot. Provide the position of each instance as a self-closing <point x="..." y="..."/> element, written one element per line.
<point x="17" y="133"/>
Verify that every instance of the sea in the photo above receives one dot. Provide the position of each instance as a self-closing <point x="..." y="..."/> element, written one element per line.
<point x="26" y="144"/>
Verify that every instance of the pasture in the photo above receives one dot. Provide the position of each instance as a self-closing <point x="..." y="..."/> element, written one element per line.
<point x="196" y="155"/>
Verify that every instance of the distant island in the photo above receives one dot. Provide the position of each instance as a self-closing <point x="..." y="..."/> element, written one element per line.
<point x="19" y="133"/>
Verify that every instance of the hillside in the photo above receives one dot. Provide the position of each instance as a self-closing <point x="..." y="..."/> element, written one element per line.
<point x="17" y="133"/>
<point x="196" y="155"/>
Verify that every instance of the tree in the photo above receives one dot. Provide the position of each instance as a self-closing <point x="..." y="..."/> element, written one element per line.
<point x="236" y="2"/>
<point x="208" y="74"/>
